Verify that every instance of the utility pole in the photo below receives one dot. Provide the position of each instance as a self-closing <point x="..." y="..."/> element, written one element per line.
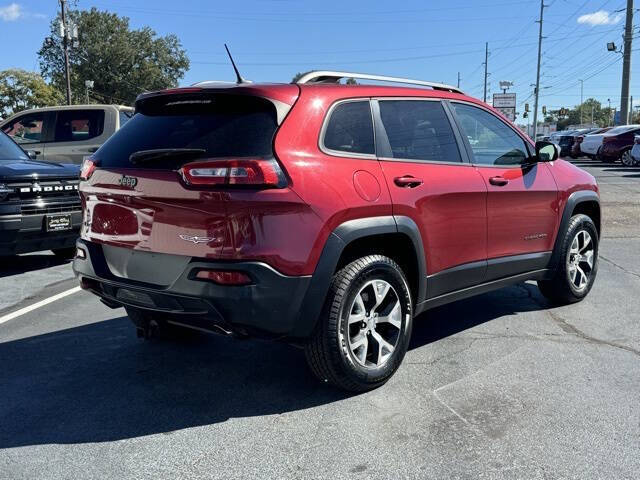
<point x="626" y="65"/>
<point x="535" y="108"/>
<point x="486" y="62"/>
<point x="458" y="79"/>
<point x="581" y="98"/>
<point x="65" y="44"/>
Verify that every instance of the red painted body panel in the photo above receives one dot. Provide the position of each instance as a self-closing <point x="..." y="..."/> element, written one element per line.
<point x="449" y="209"/>
<point x="522" y="215"/>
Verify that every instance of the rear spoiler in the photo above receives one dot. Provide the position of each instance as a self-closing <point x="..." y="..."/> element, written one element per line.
<point x="281" y="106"/>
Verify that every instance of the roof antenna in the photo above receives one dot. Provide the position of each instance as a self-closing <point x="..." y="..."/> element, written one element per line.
<point x="239" y="78"/>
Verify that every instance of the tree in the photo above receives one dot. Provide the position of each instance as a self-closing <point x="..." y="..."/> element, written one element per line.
<point x="21" y="90"/>
<point x="602" y="117"/>
<point x="121" y="62"/>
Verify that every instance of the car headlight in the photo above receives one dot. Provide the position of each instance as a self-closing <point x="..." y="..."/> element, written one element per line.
<point x="4" y="191"/>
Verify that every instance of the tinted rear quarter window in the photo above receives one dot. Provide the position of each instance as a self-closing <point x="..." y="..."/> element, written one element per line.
<point x="350" y="128"/>
<point x="222" y="125"/>
<point x="419" y="130"/>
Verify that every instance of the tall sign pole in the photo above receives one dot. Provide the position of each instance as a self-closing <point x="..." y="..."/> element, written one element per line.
<point x="626" y="65"/>
<point x="65" y="44"/>
<point x="535" y="103"/>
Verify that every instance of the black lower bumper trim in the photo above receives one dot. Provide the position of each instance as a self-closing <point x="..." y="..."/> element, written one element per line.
<point x="270" y="306"/>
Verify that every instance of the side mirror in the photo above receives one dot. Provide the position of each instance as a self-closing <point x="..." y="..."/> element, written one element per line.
<point x="546" y="151"/>
<point x="32" y="154"/>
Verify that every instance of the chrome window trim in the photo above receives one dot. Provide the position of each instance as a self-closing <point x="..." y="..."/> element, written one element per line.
<point x="341" y="153"/>
<point x="453" y="131"/>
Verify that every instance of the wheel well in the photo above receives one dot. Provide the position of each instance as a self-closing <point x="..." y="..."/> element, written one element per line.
<point x="396" y="246"/>
<point x="591" y="209"/>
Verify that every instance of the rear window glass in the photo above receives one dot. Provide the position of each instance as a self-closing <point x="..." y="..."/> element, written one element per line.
<point x="419" y="130"/>
<point x="221" y="125"/>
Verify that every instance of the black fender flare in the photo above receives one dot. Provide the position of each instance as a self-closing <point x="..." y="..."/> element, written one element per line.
<point x="576" y="198"/>
<point x="337" y="241"/>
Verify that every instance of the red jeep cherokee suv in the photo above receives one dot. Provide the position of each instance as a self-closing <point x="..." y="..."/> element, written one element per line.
<point x="328" y="215"/>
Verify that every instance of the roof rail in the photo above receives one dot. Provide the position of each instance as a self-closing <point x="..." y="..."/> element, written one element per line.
<point x="327" y="76"/>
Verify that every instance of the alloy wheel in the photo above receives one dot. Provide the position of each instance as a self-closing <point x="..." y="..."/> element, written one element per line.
<point x="374" y="323"/>
<point x="580" y="260"/>
<point x="627" y="159"/>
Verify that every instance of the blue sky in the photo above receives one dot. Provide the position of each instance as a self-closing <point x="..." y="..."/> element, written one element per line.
<point x="273" y="39"/>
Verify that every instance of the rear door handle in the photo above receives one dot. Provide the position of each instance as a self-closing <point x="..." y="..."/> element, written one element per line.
<point x="498" y="181"/>
<point x="407" y="181"/>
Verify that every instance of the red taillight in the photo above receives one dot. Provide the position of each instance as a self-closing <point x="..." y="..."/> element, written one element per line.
<point x="248" y="171"/>
<point x="224" y="277"/>
<point x="88" y="167"/>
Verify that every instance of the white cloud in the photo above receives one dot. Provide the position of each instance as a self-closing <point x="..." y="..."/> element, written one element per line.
<point x="601" y="17"/>
<point x="11" y="13"/>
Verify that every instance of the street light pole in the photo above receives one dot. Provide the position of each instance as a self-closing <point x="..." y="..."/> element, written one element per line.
<point x="535" y="106"/>
<point x="626" y="65"/>
<point x="65" y="44"/>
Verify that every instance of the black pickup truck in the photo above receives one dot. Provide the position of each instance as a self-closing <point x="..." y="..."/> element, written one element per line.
<point x="39" y="204"/>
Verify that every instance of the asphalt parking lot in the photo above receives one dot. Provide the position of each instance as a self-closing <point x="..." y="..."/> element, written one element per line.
<point x="497" y="386"/>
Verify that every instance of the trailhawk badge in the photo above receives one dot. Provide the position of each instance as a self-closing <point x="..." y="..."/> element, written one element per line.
<point x="196" y="239"/>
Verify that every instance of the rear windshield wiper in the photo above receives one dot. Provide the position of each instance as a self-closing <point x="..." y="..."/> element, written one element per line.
<point x="143" y="156"/>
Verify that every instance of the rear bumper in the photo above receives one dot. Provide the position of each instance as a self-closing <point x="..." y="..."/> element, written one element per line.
<point x="26" y="233"/>
<point x="270" y="306"/>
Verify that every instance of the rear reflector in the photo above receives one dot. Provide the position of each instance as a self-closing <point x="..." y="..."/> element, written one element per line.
<point x="247" y="171"/>
<point x="223" y="277"/>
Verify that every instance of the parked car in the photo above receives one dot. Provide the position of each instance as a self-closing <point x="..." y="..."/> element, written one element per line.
<point x="576" y="149"/>
<point x="66" y="133"/>
<point x="564" y="140"/>
<point x="616" y="142"/>
<point x="39" y="204"/>
<point x="327" y="215"/>
<point x="631" y="158"/>
<point x="592" y="144"/>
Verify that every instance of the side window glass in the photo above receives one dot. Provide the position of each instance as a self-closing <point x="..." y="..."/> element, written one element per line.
<point x="78" y="125"/>
<point x="419" y="130"/>
<point x="350" y="128"/>
<point x="26" y="129"/>
<point x="492" y="142"/>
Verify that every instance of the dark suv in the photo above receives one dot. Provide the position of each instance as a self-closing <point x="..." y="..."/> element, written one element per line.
<point x="39" y="204"/>
<point x="328" y="215"/>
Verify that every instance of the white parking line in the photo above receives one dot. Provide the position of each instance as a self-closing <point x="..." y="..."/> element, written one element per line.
<point x="41" y="303"/>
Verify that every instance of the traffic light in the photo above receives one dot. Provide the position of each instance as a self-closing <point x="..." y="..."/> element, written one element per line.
<point x="526" y="107"/>
<point x="544" y="110"/>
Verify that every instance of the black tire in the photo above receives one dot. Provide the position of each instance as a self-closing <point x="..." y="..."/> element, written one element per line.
<point x="561" y="288"/>
<point x="65" y="253"/>
<point x="328" y="351"/>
